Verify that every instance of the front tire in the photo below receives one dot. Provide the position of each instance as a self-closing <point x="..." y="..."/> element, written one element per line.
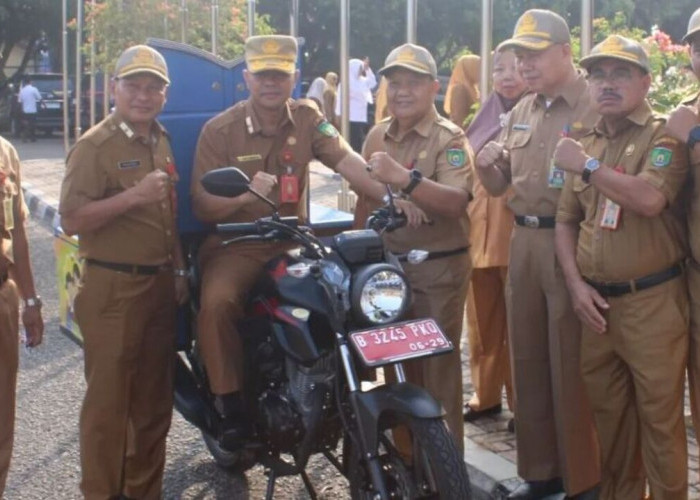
<point x="437" y="469"/>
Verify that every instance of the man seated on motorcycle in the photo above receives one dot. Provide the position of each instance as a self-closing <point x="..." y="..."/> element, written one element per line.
<point x="271" y="138"/>
<point x="427" y="160"/>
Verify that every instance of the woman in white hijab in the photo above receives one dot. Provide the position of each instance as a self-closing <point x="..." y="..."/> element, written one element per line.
<point x="361" y="81"/>
<point x="315" y="92"/>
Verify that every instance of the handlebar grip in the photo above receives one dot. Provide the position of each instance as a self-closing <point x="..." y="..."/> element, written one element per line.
<point x="238" y="228"/>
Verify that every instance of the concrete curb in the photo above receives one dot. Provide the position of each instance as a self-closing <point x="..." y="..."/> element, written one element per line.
<point x="41" y="208"/>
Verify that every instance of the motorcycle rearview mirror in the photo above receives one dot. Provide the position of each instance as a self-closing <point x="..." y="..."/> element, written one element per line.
<point x="230" y="182"/>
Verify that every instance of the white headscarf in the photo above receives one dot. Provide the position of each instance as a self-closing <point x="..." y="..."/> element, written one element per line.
<point x="316" y="90"/>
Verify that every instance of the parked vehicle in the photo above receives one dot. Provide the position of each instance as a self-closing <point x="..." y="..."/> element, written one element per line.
<point x="317" y="315"/>
<point x="50" y="112"/>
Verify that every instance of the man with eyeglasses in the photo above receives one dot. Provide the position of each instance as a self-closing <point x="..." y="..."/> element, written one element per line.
<point x="621" y="244"/>
<point x="118" y="196"/>
<point x="555" y="435"/>
<point x="684" y="124"/>
<point x="272" y="138"/>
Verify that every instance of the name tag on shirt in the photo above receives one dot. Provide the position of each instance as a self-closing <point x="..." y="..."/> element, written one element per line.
<point x="248" y="158"/>
<point x="521" y="126"/>
<point x="123" y="165"/>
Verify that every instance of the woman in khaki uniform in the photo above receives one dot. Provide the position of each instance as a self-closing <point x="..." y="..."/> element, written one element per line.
<point x="463" y="90"/>
<point x="16" y="282"/>
<point x="118" y="195"/>
<point x="491" y="225"/>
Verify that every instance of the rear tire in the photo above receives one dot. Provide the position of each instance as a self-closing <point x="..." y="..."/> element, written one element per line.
<point x="231" y="461"/>
<point x="437" y="470"/>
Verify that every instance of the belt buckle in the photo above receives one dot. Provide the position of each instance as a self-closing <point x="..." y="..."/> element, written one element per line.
<point x="531" y="221"/>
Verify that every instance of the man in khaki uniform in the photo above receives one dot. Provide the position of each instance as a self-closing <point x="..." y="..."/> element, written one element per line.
<point x="555" y="434"/>
<point x="118" y="196"/>
<point x="684" y="124"/>
<point x="16" y="281"/>
<point x="272" y="139"/>
<point x="620" y="241"/>
<point x="428" y="162"/>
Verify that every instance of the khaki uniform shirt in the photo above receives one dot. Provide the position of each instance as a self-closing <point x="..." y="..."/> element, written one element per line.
<point x="640" y="245"/>
<point x="532" y="133"/>
<point x="111" y="158"/>
<point x="235" y="138"/>
<point x="694" y="205"/>
<point x="428" y="146"/>
<point x="13" y="211"/>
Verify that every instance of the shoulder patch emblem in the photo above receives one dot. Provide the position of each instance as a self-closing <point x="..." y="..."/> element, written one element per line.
<point x="661" y="157"/>
<point x="456" y="157"/>
<point x="327" y="129"/>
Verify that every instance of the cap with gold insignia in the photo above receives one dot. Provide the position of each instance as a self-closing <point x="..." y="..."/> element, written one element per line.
<point x="141" y="59"/>
<point x="411" y="57"/>
<point x="271" y="53"/>
<point x="538" y="29"/>
<point x="620" y="48"/>
<point x="693" y="26"/>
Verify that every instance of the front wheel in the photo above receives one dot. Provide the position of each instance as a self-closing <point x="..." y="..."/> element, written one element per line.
<point x="428" y="465"/>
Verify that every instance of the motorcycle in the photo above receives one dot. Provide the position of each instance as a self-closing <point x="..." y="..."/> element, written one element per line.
<point x="319" y="316"/>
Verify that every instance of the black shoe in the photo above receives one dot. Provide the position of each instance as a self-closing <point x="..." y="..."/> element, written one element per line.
<point x="470" y="414"/>
<point x="232" y="434"/>
<point x="511" y="425"/>
<point x="534" y="490"/>
<point x="590" y="494"/>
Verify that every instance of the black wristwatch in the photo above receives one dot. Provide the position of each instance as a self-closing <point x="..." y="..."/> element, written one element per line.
<point x="416" y="176"/>
<point x="693" y="136"/>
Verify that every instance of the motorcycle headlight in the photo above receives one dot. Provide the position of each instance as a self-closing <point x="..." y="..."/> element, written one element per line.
<point x="380" y="294"/>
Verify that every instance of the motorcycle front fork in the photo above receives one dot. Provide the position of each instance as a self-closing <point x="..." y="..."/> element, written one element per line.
<point x="372" y="459"/>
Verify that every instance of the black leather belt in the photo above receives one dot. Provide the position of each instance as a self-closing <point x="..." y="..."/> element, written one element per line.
<point x="437" y="255"/>
<point x="535" y="221"/>
<point x="617" y="289"/>
<point x="129" y="268"/>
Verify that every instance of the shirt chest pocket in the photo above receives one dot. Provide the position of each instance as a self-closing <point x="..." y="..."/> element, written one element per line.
<point x="518" y="139"/>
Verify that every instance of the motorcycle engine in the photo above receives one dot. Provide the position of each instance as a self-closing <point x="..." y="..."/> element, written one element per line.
<point x="309" y="386"/>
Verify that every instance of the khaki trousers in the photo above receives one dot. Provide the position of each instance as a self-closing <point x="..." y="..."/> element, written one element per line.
<point x="693" y="275"/>
<point x="555" y="434"/>
<point x="9" y="361"/>
<point x="487" y="333"/>
<point x="634" y="374"/>
<point x="439" y="291"/>
<point x="128" y="326"/>
<point x="228" y="275"/>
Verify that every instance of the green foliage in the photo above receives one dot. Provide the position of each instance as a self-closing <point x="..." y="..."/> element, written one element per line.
<point x="22" y="21"/>
<point x="117" y="24"/>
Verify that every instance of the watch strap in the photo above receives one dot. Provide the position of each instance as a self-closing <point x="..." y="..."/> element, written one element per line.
<point x="416" y="177"/>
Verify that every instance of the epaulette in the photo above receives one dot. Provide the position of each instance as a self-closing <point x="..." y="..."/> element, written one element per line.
<point x="447" y="124"/>
<point x="101" y="133"/>
<point x="300" y="103"/>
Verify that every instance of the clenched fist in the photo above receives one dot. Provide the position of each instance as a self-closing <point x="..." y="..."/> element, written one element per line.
<point x="385" y="169"/>
<point x="569" y="155"/>
<point x="490" y="154"/>
<point x="681" y="121"/>
<point x="152" y="188"/>
<point x="263" y="183"/>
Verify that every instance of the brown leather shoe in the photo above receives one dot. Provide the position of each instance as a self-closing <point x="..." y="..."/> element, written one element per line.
<point x="470" y="414"/>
